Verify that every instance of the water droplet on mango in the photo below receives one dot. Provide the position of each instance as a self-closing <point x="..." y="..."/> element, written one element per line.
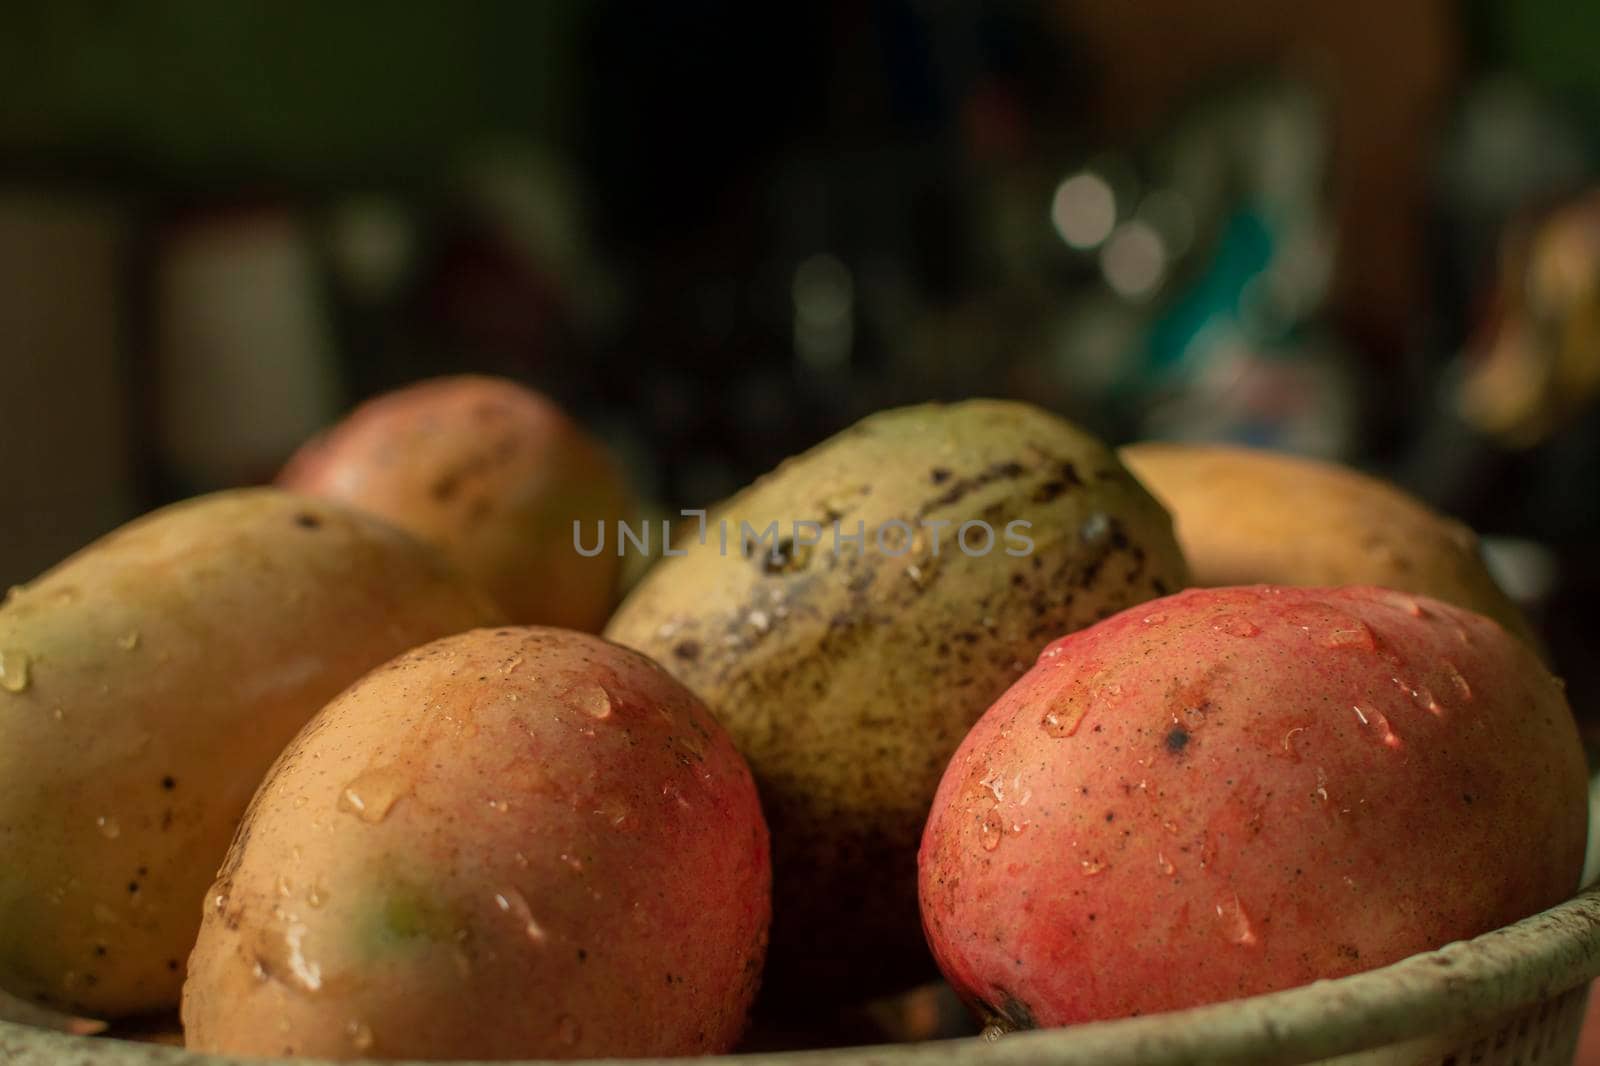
<point x="301" y="972"/>
<point x="1096" y="527"/>
<point x="1234" y="625"/>
<point x="990" y="830"/>
<point x="1062" y="722"/>
<point x="360" y="1035"/>
<point x="108" y="826"/>
<point x="593" y="700"/>
<point x="1463" y="689"/>
<point x="1235" y="922"/>
<point x="617" y="813"/>
<point x="512" y="902"/>
<point x="14" y="670"/>
<point x="1349" y="633"/>
<point x="372" y="795"/>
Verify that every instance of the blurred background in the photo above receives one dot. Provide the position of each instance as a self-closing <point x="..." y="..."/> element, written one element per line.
<point x="719" y="232"/>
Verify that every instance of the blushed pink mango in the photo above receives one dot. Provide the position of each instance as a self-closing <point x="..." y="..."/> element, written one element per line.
<point x="1232" y="791"/>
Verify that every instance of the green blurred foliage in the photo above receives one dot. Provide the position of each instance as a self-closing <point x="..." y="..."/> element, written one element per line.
<point x="1554" y="44"/>
<point x="200" y="91"/>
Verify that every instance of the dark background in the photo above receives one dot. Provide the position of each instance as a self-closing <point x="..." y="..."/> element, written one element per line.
<point x="719" y="232"/>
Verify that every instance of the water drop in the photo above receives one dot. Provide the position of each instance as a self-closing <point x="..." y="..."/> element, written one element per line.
<point x="568" y="1030"/>
<point x="300" y="801"/>
<point x="306" y="974"/>
<point x="1153" y="619"/>
<point x="219" y="901"/>
<point x="1064" y="721"/>
<point x="693" y="745"/>
<point x="1235" y="922"/>
<point x="500" y="805"/>
<point x="1349" y="633"/>
<point x="285" y="889"/>
<point x="316" y="896"/>
<point x="1463" y="689"/>
<point x="512" y="902"/>
<point x="1095" y="527"/>
<point x="108" y="827"/>
<point x="1164" y="863"/>
<point x="14" y="667"/>
<point x="1091" y="867"/>
<point x="759" y="621"/>
<point x="990" y="830"/>
<point x="1420" y="693"/>
<point x="618" y="813"/>
<point x="594" y="700"/>
<point x="1235" y="625"/>
<point x="572" y="861"/>
<point x="674" y="793"/>
<point x="995" y="783"/>
<point x="372" y="795"/>
<point x="1405" y="603"/>
<point x="129" y="641"/>
<point x="360" y="1034"/>
<point x="1361" y="715"/>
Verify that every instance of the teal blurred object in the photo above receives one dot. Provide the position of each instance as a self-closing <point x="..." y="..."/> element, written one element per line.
<point x="1244" y="249"/>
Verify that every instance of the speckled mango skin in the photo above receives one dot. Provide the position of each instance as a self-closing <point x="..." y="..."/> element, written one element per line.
<point x="1247" y="516"/>
<point x="847" y="678"/>
<point x="518" y="843"/>
<point x="166" y="666"/>
<point x="1232" y="791"/>
<point x="493" y="475"/>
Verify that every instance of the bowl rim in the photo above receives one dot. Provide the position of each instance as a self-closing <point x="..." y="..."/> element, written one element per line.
<point x="1464" y="985"/>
